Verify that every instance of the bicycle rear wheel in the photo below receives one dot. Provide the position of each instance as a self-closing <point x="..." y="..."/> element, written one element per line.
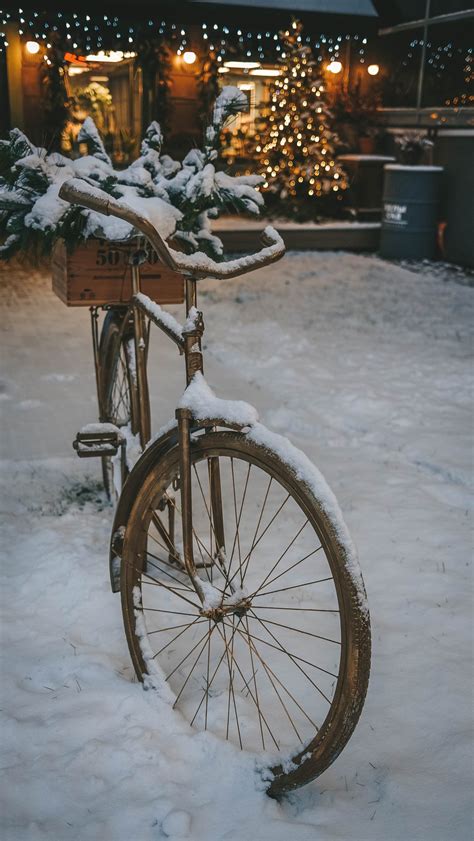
<point x="118" y="390"/>
<point x="287" y="675"/>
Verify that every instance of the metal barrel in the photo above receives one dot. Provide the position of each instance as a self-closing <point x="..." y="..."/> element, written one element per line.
<point x="410" y="211"/>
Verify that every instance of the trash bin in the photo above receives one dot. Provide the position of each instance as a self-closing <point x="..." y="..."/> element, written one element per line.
<point x="410" y="211"/>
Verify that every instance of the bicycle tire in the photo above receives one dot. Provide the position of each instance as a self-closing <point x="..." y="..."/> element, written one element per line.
<point x="118" y="388"/>
<point x="284" y="771"/>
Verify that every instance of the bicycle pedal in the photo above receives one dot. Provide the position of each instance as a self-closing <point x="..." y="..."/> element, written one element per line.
<point x="98" y="439"/>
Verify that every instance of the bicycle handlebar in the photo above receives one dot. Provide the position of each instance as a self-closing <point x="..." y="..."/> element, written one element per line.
<point x="82" y="192"/>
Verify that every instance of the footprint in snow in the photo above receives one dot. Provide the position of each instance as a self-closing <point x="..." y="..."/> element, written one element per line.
<point x="176" y="824"/>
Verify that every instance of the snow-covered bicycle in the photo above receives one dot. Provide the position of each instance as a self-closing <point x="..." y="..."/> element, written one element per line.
<point x="242" y="597"/>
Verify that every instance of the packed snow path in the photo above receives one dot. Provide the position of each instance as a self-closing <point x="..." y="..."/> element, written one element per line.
<point x="366" y="366"/>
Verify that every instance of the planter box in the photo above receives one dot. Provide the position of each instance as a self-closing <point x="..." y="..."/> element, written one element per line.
<point x="98" y="272"/>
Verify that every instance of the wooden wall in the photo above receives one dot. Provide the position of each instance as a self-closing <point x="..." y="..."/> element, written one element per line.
<point x="185" y="131"/>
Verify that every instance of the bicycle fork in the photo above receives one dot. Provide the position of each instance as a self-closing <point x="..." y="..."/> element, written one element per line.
<point x="194" y="363"/>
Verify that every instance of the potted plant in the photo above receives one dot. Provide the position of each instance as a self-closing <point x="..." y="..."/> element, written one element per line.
<point x="412" y="146"/>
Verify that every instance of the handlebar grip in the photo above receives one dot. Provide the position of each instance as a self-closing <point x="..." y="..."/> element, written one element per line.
<point x="200" y="265"/>
<point x="93" y="198"/>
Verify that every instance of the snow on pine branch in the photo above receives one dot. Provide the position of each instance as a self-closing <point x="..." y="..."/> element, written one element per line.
<point x="191" y="192"/>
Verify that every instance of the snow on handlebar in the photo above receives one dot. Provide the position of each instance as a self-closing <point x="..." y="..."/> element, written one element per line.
<point x="140" y="216"/>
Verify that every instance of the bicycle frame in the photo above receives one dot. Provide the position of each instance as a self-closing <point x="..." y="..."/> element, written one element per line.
<point x="190" y="345"/>
<point x="77" y="191"/>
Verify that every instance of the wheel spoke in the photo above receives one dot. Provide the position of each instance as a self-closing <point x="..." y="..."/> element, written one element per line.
<point x="292" y="587"/>
<point x="250" y="691"/>
<point x="267" y="668"/>
<point x="247" y="558"/>
<point x="256" y="529"/>
<point x="165" y="548"/>
<point x="282" y="555"/>
<point x="187" y="655"/>
<point x="237" y="519"/>
<point x="170" y="642"/>
<point x="294" y="658"/>
<point x="165" y="572"/>
<point x="255" y="682"/>
<point x="280" y="574"/>
<point x="171" y="628"/>
<point x="163" y="610"/>
<point x="212" y="529"/>
<point x="207" y="676"/>
<point x="269" y="673"/>
<point x="305" y="609"/>
<point x="300" y="631"/>
<point x="171" y="590"/>
<point x="207" y="635"/>
<point x="209" y="684"/>
<point x="230" y="662"/>
<point x="280" y="647"/>
<point x="161" y="529"/>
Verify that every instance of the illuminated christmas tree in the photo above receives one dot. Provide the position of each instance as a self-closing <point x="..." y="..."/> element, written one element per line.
<point x="293" y="142"/>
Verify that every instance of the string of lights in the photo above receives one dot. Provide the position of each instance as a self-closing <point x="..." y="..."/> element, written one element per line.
<point x="101" y="35"/>
<point x="101" y="32"/>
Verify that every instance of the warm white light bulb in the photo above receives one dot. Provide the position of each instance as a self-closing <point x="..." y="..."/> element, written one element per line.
<point x="32" y="47"/>
<point x="373" y="69"/>
<point x="334" y="66"/>
<point x="189" y="57"/>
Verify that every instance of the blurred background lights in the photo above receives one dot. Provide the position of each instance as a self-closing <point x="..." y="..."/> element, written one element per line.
<point x="189" y="57"/>
<point x="334" y="67"/>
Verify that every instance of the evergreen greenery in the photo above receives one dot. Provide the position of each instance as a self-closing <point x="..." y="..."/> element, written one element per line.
<point x="32" y="215"/>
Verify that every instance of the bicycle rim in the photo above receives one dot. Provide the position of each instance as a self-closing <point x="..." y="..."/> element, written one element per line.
<point x="288" y="676"/>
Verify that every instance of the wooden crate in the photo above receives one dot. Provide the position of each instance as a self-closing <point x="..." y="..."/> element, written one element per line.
<point x="98" y="272"/>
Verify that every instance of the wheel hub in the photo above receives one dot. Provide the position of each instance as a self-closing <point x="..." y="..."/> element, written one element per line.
<point x="217" y="614"/>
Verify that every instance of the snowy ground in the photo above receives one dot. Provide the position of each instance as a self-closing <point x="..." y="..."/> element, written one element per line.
<point x="366" y="366"/>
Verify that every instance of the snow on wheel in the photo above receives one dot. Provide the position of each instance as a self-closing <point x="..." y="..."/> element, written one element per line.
<point x="285" y="674"/>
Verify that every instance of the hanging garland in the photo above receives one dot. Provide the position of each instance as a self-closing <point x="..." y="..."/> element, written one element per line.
<point x="154" y="60"/>
<point x="53" y="75"/>
<point x="208" y="86"/>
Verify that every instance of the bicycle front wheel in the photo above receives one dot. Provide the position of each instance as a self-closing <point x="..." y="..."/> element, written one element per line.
<point x="287" y="675"/>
